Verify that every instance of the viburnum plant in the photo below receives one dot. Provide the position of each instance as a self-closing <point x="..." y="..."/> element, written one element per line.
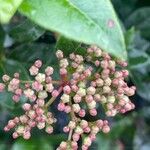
<point x="85" y="83"/>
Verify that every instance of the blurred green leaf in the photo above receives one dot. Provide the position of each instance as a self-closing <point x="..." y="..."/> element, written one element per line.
<point x="138" y="58"/>
<point x="129" y="38"/>
<point x="2" y="36"/>
<point x="28" y="53"/>
<point x="6" y="100"/>
<point x="33" y="144"/>
<point x="105" y="143"/>
<point x="11" y="66"/>
<point x="141" y="20"/>
<point x="26" y="31"/>
<point x="124" y="7"/>
<point x="2" y="146"/>
<point x="7" y="9"/>
<point x="93" y="22"/>
<point x="141" y="79"/>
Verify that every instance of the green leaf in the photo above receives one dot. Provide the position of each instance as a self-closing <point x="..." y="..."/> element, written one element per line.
<point x="129" y="38"/>
<point x="32" y="144"/>
<point x="141" y="20"/>
<point x="105" y="143"/>
<point x="137" y="58"/>
<point x="91" y="22"/>
<point x="10" y="66"/>
<point x="140" y="77"/>
<point x="26" y="32"/>
<point x="2" y="36"/>
<point x="6" y="100"/>
<point x="30" y="52"/>
<point x="7" y="9"/>
<point x="67" y="46"/>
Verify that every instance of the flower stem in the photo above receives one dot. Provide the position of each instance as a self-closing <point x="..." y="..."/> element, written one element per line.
<point x="53" y="98"/>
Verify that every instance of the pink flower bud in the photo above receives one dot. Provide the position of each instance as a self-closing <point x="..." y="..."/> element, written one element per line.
<point x="61" y="107"/>
<point x="55" y="93"/>
<point x="66" y="129"/>
<point x="76" y="137"/>
<point x="5" y="78"/>
<point x="49" y="71"/>
<point x="16" y="98"/>
<point x="40" y="102"/>
<point x="93" y="112"/>
<point x="49" y="129"/>
<point x="106" y="129"/>
<point x="2" y="87"/>
<point x="63" y="71"/>
<point x="67" y="89"/>
<point x="67" y="109"/>
<point x="48" y="79"/>
<point x="77" y="98"/>
<point x="74" y="88"/>
<point x="59" y="54"/>
<point x="27" y="135"/>
<point x="26" y="107"/>
<point x="15" y="135"/>
<point x="81" y="113"/>
<point x="104" y="64"/>
<point x="11" y="124"/>
<point x="37" y="86"/>
<point x="16" y="75"/>
<point x="18" y="92"/>
<point x="33" y="70"/>
<point x="38" y="63"/>
<point x="97" y="63"/>
<point x="87" y="130"/>
<point x="92" y="137"/>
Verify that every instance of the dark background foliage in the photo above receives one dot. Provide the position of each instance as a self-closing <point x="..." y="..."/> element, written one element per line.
<point x="22" y="42"/>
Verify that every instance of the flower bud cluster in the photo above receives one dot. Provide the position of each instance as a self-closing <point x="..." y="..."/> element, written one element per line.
<point x="34" y="117"/>
<point x="85" y="83"/>
<point x="80" y="128"/>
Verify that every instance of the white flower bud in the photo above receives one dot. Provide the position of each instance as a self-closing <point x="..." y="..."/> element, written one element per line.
<point x="91" y="90"/>
<point x="92" y="105"/>
<point x="82" y="85"/>
<point x="63" y="63"/>
<point x="80" y="68"/>
<point x="41" y="125"/>
<point x="95" y="129"/>
<point x="81" y="92"/>
<point x="79" y="130"/>
<point x="65" y="98"/>
<point x="42" y="95"/>
<point x="76" y="107"/>
<point x="40" y="77"/>
<point x="72" y="125"/>
<point x="87" y="141"/>
<point x="20" y="129"/>
<point x="111" y="99"/>
<point x="103" y="99"/>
